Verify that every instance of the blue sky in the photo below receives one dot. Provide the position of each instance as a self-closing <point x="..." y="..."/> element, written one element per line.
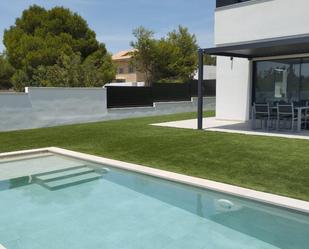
<point x="114" y="20"/>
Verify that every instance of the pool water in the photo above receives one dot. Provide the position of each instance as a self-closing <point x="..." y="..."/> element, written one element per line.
<point x="88" y="206"/>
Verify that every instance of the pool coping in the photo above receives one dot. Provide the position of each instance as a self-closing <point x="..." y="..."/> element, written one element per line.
<point x="272" y="199"/>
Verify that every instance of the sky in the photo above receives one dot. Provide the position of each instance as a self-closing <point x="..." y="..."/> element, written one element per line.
<point x="114" y="20"/>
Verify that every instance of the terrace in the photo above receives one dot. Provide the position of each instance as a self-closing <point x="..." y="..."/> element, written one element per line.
<point x="278" y="80"/>
<point x="237" y="127"/>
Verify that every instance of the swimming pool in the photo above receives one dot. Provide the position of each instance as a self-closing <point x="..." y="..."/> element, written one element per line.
<point x="51" y="201"/>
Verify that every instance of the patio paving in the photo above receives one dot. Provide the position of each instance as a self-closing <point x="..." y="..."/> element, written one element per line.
<point x="213" y="124"/>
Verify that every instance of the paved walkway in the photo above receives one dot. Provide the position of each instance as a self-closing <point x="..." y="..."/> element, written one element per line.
<point x="212" y="124"/>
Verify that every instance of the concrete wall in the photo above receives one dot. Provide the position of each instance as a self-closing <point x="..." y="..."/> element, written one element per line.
<point x="247" y="22"/>
<point x="15" y="111"/>
<point x="68" y="104"/>
<point x="161" y="108"/>
<point x="14" y="100"/>
<point x="44" y="107"/>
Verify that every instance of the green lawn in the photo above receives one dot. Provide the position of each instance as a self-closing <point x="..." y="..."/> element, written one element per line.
<point x="275" y="165"/>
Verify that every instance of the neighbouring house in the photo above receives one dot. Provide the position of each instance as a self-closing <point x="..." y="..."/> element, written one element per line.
<point x="208" y="74"/>
<point x="126" y="71"/>
<point x="262" y="49"/>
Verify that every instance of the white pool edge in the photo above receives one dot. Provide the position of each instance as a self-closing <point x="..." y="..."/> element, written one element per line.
<point x="276" y="200"/>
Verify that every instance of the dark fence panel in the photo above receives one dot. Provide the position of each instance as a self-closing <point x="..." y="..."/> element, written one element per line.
<point x="165" y="92"/>
<point x="209" y="88"/>
<point x="129" y="96"/>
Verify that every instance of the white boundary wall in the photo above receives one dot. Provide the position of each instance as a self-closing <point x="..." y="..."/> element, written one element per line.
<point x="44" y="107"/>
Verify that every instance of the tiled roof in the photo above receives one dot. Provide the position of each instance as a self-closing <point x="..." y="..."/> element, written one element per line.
<point x="126" y="54"/>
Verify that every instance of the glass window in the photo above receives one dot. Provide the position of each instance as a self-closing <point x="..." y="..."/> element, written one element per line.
<point x="304" y="85"/>
<point x="277" y="80"/>
<point x="131" y="69"/>
<point x="120" y="70"/>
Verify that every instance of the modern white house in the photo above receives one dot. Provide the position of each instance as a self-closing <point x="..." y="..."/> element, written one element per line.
<point x="262" y="49"/>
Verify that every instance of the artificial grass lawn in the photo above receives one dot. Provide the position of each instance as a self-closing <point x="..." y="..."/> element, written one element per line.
<point x="269" y="164"/>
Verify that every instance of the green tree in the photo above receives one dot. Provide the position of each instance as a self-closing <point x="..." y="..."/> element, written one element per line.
<point x="41" y="38"/>
<point x="67" y="72"/>
<point x="19" y="80"/>
<point x="185" y="58"/>
<point x="210" y="60"/>
<point x="98" y="69"/>
<point x="6" y="72"/>
<point x="145" y="53"/>
<point x="173" y="58"/>
<point x="165" y="62"/>
<point x="70" y="71"/>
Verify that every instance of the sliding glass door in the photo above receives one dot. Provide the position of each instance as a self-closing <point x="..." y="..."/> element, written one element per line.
<point x="304" y="85"/>
<point x="284" y="80"/>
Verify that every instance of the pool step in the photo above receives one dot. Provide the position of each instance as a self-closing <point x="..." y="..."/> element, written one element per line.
<point x="70" y="181"/>
<point x="64" y="174"/>
<point x="68" y="177"/>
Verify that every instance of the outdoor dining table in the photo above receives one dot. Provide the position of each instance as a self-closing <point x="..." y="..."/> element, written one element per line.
<point x="299" y="110"/>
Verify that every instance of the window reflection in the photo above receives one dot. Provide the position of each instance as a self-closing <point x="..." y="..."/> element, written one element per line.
<point x="304" y="87"/>
<point x="280" y="81"/>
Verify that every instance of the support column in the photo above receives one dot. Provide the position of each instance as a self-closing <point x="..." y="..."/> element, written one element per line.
<point x="200" y="89"/>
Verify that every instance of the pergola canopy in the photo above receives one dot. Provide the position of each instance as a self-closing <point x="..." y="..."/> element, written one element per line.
<point x="263" y="48"/>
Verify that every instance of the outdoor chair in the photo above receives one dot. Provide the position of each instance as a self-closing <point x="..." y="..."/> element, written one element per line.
<point x="263" y="113"/>
<point x="286" y="114"/>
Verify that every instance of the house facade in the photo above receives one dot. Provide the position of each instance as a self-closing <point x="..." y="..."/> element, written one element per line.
<point x="126" y="71"/>
<point x="262" y="49"/>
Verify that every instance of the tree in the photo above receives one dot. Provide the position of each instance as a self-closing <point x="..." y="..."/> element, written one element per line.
<point x="19" y="80"/>
<point x="210" y="60"/>
<point x="98" y="68"/>
<point x="173" y="58"/>
<point x="145" y="53"/>
<point x="70" y="71"/>
<point x="41" y="38"/>
<point x="186" y="57"/>
<point x="67" y="72"/>
<point x="6" y="72"/>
